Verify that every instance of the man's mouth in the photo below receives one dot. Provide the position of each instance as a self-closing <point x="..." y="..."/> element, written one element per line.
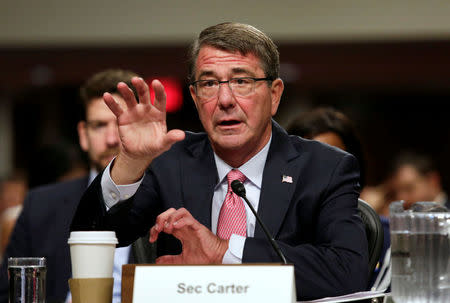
<point x="229" y="122"/>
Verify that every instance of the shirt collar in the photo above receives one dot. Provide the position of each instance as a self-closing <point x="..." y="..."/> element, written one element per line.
<point x="441" y="198"/>
<point x="92" y="174"/>
<point x="253" y="169"/>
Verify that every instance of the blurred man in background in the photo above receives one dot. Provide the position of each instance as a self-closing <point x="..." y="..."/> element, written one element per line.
<point x="415" y="177"/>
<point x="42" y="228"/>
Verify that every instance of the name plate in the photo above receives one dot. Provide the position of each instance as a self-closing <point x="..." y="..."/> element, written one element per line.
<point x="214" y="283"/>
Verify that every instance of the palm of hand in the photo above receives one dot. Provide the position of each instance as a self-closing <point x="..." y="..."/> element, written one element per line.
<point x="142" y="131"/>
<point x="142" y="126"/>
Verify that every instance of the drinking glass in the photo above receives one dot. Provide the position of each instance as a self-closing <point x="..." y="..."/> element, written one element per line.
<point x="27" y="278"/>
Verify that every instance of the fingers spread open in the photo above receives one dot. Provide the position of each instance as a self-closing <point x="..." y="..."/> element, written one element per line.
<point x="113" y="105"/>
<point x="160" y="95"/>
<point x="127" y="94"/>
<point x="142" y="90"/>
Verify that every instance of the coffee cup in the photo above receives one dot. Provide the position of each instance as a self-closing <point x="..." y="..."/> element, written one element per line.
<point x="92" y="253"/>
<point x="92" y="258"/>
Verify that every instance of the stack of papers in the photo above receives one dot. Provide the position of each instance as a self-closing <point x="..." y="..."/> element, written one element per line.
<point x="350" y="297"/>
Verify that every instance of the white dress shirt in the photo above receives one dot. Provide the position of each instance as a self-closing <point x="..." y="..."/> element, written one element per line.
<point x="252" y="169"/>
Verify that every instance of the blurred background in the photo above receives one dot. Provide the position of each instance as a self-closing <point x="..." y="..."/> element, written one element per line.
<point x="385" y="64"/>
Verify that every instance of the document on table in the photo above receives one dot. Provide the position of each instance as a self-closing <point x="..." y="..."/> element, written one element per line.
<point x="349" y="298"/>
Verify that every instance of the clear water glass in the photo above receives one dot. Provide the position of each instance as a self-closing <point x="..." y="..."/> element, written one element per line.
<point x="27" y="278"/>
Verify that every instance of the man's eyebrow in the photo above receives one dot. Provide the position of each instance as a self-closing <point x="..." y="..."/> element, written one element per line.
<point x="235" y="70"/>
<point x="206" y="73"/>
<point x="96" y="121"/>
<point x="240" y="70"/>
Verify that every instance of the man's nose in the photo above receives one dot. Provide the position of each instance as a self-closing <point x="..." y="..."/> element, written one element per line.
<point x="225" y="95"/>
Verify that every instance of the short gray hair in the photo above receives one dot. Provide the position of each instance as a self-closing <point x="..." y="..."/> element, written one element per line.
<point x="237" y="37"/>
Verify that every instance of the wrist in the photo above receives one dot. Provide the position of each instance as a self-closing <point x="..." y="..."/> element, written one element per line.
<point x="127" y="170"/>
<point x="222" y="249"/>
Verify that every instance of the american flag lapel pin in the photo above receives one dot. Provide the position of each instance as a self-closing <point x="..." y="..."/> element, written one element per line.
<point x="286" y="179"/>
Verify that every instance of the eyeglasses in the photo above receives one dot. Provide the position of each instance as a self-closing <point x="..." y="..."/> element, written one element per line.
<point x="241" y="87"/>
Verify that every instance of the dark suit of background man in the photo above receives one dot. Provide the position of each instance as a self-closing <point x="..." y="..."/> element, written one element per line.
<point x="42" y="229"/>
<point x="306" y="192"/>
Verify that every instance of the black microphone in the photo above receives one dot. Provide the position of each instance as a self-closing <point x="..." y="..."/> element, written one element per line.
<point x="239" y="189"/>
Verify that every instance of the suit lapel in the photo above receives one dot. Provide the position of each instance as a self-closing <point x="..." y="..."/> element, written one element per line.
<point x="199" y="177"/>
<point x="72" y="198"/>
<point x="276" y="193"/>
<point x="64" y="214"/>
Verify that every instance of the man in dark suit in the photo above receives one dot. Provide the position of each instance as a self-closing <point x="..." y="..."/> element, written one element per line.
<point x="42" y="228"/>
<point x="175" y="183"/>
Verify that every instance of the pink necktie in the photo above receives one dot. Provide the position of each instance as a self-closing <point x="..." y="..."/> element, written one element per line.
<point x="232" y="217"/>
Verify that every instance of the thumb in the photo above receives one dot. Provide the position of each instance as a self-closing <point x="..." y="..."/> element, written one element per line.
<point x="174" y="136"/>
<point x="169" y="259"/>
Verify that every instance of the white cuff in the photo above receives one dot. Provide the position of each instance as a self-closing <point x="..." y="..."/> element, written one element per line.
<point x="112" y="193"/>
<point x="235" y="250"/>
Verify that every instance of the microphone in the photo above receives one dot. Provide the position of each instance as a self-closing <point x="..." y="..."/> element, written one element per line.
<point x="239" y="189"/>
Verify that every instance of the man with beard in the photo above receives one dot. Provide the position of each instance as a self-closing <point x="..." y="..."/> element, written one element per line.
<point x="42" y="228"/>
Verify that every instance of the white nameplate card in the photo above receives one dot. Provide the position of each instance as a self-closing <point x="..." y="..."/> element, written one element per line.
<point x="214" y="283"/>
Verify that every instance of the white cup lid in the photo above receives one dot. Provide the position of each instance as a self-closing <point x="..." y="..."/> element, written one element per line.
<point x="92" y="237"/>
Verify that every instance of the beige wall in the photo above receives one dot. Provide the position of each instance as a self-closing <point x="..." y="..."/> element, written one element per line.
<point x="78" y="22"/>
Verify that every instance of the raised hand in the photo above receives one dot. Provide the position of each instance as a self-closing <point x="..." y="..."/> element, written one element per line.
<point x="142" y="129"/>
<point x="200" y="245"/>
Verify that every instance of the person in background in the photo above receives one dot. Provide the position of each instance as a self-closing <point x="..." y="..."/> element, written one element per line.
<point x="415" y="177"/>
<point x="328" y="125"/>
<point x="42" y="229"/>
<point x="178" y="183"/>
<point x="12" y="193"/>
<point x="50" y="163"/>
<point x="56" y="162"/>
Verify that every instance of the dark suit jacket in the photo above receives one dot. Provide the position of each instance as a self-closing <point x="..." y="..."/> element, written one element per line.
<point x="42" y="230"/>
<point x="314" y="219"/>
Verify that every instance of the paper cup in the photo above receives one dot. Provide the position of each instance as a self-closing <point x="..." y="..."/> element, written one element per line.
<point x="92" y="253"/>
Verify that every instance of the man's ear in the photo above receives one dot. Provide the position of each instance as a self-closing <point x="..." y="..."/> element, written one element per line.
<point x="82" y="135"/>
<point x="276" y="92"/>
<point x="193" y="95"/>
<point x="434" y="179"/>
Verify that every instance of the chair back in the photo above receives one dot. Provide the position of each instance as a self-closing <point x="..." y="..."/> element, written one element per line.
<point x="143" y="251"/>
<point x="374" y="233"/>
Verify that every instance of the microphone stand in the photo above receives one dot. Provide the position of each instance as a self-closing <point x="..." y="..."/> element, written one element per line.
<point x="239" y="189"/>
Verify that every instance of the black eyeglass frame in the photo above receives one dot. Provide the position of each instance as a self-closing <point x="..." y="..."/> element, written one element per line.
<point x="228" y="81"/>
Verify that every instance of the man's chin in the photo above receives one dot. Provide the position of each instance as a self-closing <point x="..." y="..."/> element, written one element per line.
<point x="230" y="142"/>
